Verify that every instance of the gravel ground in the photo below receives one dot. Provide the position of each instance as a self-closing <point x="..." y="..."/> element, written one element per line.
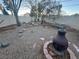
<point x="25" y="43"/>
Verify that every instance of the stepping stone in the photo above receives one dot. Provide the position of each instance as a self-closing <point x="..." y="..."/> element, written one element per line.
<point x="4" y="45"/>
<point x="42" y="39"/>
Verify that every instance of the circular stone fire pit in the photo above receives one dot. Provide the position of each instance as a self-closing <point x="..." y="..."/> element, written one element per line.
<point x="49" y="52"/>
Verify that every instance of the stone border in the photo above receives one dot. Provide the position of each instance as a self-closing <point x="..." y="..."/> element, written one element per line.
<point x="48" y="56"/>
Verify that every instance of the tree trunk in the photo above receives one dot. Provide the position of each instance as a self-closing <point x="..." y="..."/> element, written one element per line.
<point x="17" y="19"/>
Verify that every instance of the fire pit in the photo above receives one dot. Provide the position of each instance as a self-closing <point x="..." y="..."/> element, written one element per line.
<point x="58" y="47"/>
<point x="49" y="52"/>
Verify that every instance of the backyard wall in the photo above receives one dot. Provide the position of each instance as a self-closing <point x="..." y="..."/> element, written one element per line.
<point x="72" y="21"/>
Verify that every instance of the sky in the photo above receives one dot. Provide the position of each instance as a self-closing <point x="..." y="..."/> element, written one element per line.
<point x="69" y="7"/>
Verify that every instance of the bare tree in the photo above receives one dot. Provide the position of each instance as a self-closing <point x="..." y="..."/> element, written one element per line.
<point x="14" y="5"/>
<point x="53" y="8"/>
<point x="33" y="5"/>
<point x="44" y="7"/>
<point x="3" y="10"/>
<point x="7" y="6"/>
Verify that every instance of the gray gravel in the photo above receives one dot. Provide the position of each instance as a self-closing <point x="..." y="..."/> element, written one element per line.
<point x="27" y="44"/>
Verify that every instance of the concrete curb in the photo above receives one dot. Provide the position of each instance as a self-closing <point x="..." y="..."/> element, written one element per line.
<point x="7" y="27"/>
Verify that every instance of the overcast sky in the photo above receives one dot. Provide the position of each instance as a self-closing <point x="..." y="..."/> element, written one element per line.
<point x="69" y="7"/>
